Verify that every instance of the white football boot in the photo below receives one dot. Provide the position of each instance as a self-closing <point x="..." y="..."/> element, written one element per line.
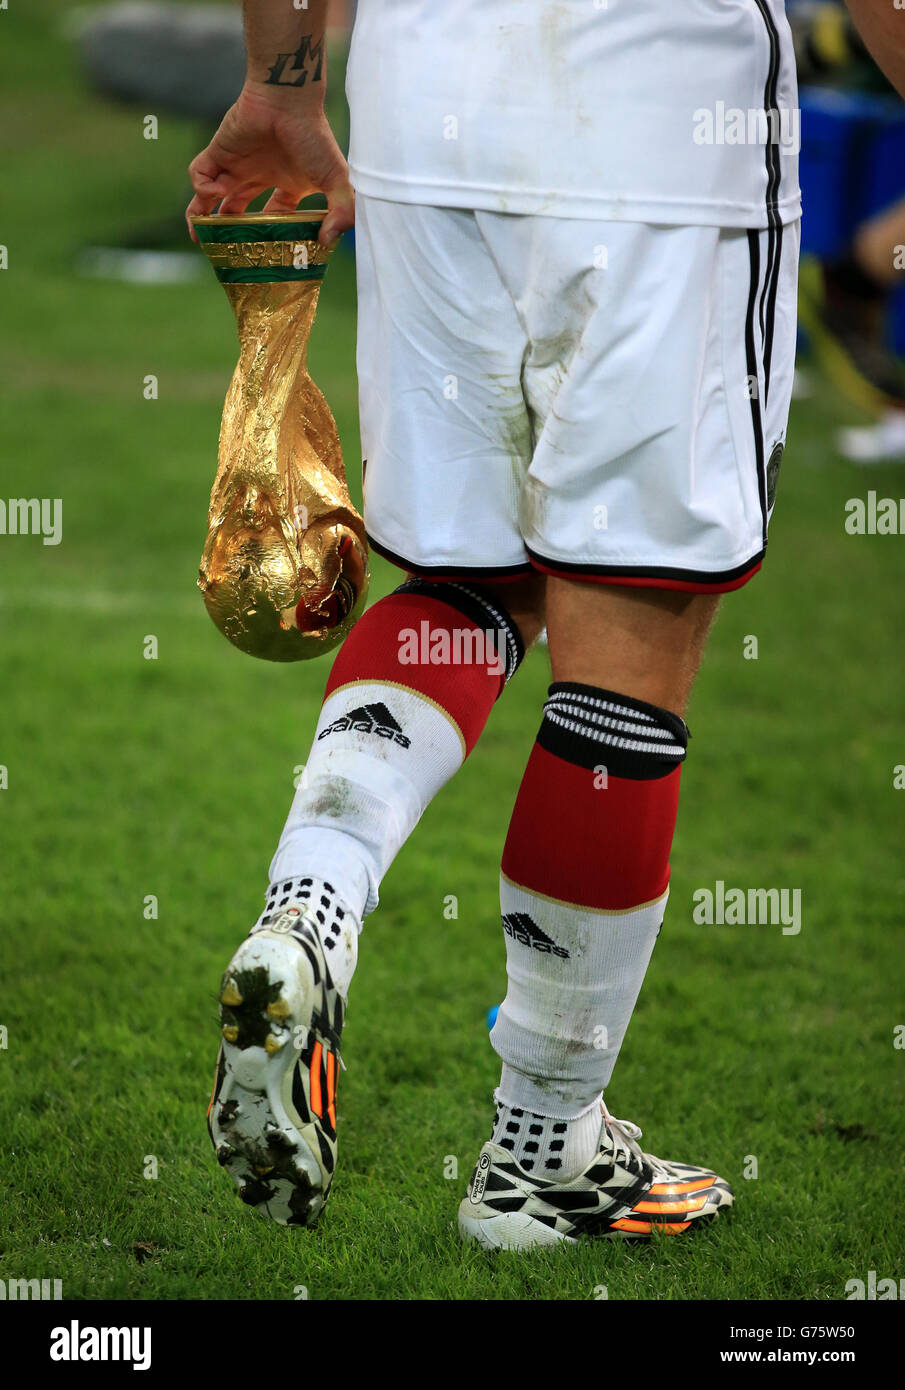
<point x="883" y="442"/>
<point x="622" y="1193"/>
<point x="272" y="1116"/>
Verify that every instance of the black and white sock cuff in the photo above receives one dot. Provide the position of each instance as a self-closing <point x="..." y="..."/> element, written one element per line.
<point x="476" y="605"/>
<point x="592" y="728"/>
<point x="307" y="895"/>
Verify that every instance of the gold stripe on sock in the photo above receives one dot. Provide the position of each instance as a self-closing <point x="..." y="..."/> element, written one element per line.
<point x="581" y="907"/>
<point x="398" y="685"/>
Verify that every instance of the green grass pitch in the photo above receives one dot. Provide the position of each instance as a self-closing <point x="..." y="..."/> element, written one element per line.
<point x="129" y="778"/>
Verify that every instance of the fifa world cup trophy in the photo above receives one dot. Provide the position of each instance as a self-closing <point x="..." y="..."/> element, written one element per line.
<point x="284" y="571"/>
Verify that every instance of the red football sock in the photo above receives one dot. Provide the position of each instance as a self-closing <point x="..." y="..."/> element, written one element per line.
<point x="407" y="698"/>
<point x="584" y="882"/>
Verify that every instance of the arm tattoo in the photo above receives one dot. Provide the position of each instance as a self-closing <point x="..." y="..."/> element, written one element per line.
<point x="289" y="70"/>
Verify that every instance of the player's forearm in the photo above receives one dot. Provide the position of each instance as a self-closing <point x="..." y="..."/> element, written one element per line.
<point x="882" y="27"/>
<point x="286" y="49"/>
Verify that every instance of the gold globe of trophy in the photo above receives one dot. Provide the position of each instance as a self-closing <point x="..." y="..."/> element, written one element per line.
<point x="284" y="572"/>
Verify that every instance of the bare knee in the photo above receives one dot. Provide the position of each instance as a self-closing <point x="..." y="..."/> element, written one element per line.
<point x="646" y="643"/>
<point x="523" y="599"/>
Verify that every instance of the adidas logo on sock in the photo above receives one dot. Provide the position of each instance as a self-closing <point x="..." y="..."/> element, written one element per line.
<point x="369" y="719"/>
<point x="521" y="928"/>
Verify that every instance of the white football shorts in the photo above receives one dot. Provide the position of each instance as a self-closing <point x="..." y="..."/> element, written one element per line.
<point x="606" y="401"/>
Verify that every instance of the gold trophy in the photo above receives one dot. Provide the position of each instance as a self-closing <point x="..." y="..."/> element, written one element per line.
<point x="284" y="572"/>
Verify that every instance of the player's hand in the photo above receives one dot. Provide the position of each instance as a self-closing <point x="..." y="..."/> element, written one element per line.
<point x="272" y="142"/>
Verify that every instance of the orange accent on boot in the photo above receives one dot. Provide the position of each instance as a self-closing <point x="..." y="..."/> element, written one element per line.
<point x="331" y="1088"/>
<point x="675" y="1189"/>
<point x="315" y="1077"/>
<point x="643" y="1228"/>
<point x="689" y="1204"/>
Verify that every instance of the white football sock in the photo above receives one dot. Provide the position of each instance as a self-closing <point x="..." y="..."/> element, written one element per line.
<point x="379" y="755"/>
<point x="320" y="905"/>
<point x="574" y="975"/>
<point x="409" y="694"/>
<point x="545" y="1146"/>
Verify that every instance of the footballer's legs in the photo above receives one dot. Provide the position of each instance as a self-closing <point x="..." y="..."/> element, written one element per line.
<point x="583" y="893"/>
<point x="406" y="700"/>
<point x="411" y="688"/>
<point x="658" y="445"/>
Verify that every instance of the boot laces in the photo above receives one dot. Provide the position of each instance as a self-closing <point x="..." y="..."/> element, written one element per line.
<point x="625" y="1135"/>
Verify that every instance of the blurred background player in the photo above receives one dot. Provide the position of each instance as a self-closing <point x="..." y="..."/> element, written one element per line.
<point x="848" y="301"/>
<point x="847" y="320"/>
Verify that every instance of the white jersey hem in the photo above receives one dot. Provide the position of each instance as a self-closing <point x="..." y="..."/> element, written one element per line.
<point x="593" y="206"/>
